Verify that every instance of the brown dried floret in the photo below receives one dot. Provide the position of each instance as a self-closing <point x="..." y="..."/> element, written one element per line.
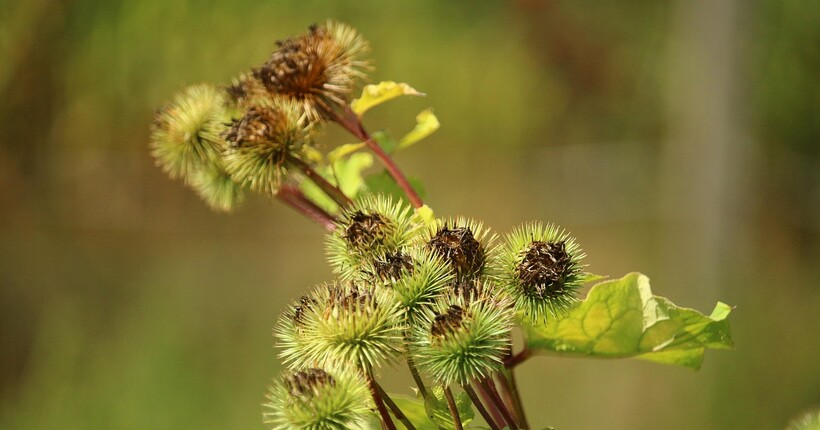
<point x="544" y="268"/>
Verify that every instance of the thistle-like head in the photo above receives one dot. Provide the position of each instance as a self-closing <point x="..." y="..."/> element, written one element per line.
<point x="464" y="244"/>
<point x="372" y="227"/>
<point x="540" y="269"/>
<point x="263" y="142"/>
<point x="185" y="134"/>
<point x="318" y="69"/>
<point x="316" y="398"/>
<point x="354" y="324"/>
<point x="464" y="337"/>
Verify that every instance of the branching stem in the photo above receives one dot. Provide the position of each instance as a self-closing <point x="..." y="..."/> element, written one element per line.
<point x="481" y="409"/>
<point x="387" y="422"/>
<point x="395" y="408"/>
<point x="331" y="190"/>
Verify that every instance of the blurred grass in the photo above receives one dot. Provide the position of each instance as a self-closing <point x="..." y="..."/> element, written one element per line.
<point x="126" y="304"/>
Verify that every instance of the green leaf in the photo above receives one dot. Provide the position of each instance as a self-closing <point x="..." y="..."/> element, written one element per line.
<point x="439" y="412"/>
<point x="343" y="151"/>
<point x="415" y="411"/>
<point x="621" y="318"/>
<point x="381" y="182"/>
<point x="385" y="141"/>
<point x="350" y="180"/>
<point x="374" y="95"/>
<point x="426" y="124"/>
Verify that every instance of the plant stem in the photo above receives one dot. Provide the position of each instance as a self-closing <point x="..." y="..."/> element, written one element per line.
<point x="516" y="397"/>
<point x="481" y="409"/>
<point x="331" y="190"/>
<point x="416" y="377"/>
<point x="517" y="359"/>
<point x="387" y="422"/>
<point x="395" y="408"/>
<point x="451" y="403"/>
<point x="488" y="402"/>
<point x="294" y="198"/>
<point x="489" y="387"/>
<point x="351" y="122"/>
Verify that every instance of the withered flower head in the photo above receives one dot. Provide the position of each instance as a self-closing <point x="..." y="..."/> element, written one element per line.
<point x="463" y="244"/>
<point x="370" y="228"/>
<point x="263" y="142"/>
<point x="540" y="269"/>
<point x="319" y="69"/>
<point x="390" y="267"/>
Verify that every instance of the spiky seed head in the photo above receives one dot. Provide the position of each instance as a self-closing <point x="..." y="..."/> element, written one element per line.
<point x="185" y="134"/>
<point x="415" y="276"/>
<point x="315" y="399"/>
<point x="262" y="141"/>
<point x="347" y="323"/>
<point x="540" y="268"/>
<point x="374" y="226"/>
<point x="460" y="339"/>
<point x="319" y="69"/>
<point x="464" y="244"/>
<point x="217" y="188"/>
<point x="809" y="420"/>
<point x="244" y="90"/>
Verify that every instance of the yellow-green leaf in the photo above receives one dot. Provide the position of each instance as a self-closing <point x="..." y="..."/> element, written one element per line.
<point x="621" y="318"/>
<point x="426" y="124"/>
<point x="344" y="150"/>
<point x="374" y="95"/>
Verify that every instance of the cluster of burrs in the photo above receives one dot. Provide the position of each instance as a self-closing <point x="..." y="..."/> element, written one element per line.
<point x="258" y="133"/>
<point x="442" y="296"/>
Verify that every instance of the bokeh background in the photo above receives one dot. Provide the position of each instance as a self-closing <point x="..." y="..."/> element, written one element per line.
<point x="678" y="138"/>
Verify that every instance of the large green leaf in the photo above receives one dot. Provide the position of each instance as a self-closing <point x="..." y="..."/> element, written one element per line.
<point x="621" y="318"/>
<point x="374" y="95"/>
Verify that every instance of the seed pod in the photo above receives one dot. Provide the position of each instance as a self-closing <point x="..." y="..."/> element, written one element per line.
<point x="372" y="227"/>
<point x="315" y="398"/>
<point x="318" y="69"/>
<point x="465" y="337"/>
<point x="540" y="269"/>
<point x="185" y="134"/>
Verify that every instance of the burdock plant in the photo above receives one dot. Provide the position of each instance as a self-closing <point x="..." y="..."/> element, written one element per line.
<point x="440" y="295"/>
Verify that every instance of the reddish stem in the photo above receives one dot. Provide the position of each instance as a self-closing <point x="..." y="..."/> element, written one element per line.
<point x="517" y="359"/>
<point x="351" y="122"/>
<point x="294" y="198"/>
<point x="331" y="190"/>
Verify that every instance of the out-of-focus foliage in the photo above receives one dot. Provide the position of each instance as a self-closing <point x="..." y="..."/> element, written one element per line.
<point x="125" y="303"/>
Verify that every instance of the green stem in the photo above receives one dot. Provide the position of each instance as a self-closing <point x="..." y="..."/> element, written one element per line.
<point x="395" y="408"/>
<point x="416" y="377"/>
<point x="451" y="403"/>
<point x="481" y="409"/>
<point x="516" y="397"/>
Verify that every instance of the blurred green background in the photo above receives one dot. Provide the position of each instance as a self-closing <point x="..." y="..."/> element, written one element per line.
<point x="675" y="138"/>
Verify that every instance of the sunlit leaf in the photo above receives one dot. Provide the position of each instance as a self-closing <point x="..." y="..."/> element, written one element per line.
<point x="374" y="95"/>
<point x="348" y="172"/>
<point x="621" y="318"/>
<point x="426" y="124"/>
<point x="344" y="150"/>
